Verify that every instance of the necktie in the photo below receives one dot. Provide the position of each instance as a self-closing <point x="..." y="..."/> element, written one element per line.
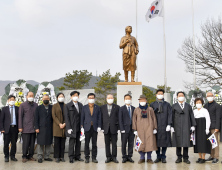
<point x="77" y="107"/>
<point x="11" y="115"/>
<point x="129" y="114"/>
<point x="182" y="105"/>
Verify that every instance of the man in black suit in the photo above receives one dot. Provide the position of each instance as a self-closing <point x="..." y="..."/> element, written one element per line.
<point x="125" y="124"/>
<point x="109" y="114"/>
<point x="91" y="123"/>
<point x="215" y="115"/>
<point x="73" y="111"/>
<point x="9" y="127"/>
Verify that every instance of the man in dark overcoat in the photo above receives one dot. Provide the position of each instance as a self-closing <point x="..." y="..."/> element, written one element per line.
<point x="43" y="128"/>
<point x="73" y="111"/>
<point x="163" y="112"/>
<point x="182" y="126"/>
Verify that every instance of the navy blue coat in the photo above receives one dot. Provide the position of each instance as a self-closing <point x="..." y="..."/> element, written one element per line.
<point x="86" y="118"/>
<point x="163" y="119"/>
<point x="124" y="119"/>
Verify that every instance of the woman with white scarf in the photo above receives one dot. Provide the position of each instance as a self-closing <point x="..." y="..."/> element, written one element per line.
<point x="202" y="118"/>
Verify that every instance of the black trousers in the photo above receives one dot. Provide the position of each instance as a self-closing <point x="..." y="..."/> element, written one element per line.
<point x="28" y="145"/>
<point x="127" y="138"/>
<point x="75" y="143"/>
<point x="11" y="136"/>
<point x="59" y="147"/>
<point x="113" y="138"/>
<point x="88" y="135"/>
<point x="185" y="153"/>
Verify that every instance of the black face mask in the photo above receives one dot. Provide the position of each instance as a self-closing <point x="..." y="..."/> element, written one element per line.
<point x="46" y="101"/>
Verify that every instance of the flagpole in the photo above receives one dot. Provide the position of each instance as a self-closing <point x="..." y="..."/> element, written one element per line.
<point x="164" y="47"/>
<point x="194" y="55"/>
<point x="137" y="41"/>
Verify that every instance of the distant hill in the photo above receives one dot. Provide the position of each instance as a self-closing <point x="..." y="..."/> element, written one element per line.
<point x="56" y="83"/>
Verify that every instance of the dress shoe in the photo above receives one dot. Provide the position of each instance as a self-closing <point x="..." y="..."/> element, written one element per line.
<point x="94" y="160"/>
<point x="124" y="160"/>
<point x="215" y="161"/>
<point x="62" y="159"/>
<point x="141" y="161"/>
<point x="6" y="159"/>
<point x="130" y="160"/>
<point x="115" y="160"/>
<point x="157" y="160"/>
<point x="164" y="160"/>
<point x="186" y="161"/>
<point x="32" y="159"/>
<point x="87" y="161"/>
<point x="48" y="159"/>
<point x="57" y="160"/>
<point x="198" y="160"/>
<point x="202" y="161"/>
<point x="79" y="159"/>
<point x="24" y="160"/>
<point x="179" y="160"/>
<point x="108" y="160"/>
<point x="14" y="159"/>
<point x="39" y="160"/>
<point x="210" y="159"/>
<point x="71" y="160"/>
<point x="150" y="161"/>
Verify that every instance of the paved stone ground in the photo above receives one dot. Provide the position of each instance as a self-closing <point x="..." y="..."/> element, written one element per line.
<point x="170" y="165"/>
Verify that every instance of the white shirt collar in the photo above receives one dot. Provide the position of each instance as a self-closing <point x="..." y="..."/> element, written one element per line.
<point x="128" y="106"/>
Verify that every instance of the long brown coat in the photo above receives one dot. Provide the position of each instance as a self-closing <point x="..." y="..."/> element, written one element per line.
<point x="145" y="127"/>
<point x="58" y="118"/>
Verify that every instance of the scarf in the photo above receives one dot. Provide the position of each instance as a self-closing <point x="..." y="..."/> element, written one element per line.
<point x="144" y="110"/>
<point x="160" y="103"/>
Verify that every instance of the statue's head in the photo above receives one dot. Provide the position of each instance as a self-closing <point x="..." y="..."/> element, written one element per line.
<point x="128" y="29"/>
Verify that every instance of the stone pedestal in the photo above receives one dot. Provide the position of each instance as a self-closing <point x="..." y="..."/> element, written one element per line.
<point x="135" y="89"/>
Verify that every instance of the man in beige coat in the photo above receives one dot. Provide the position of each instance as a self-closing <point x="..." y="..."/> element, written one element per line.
<point x="145" y="126"/>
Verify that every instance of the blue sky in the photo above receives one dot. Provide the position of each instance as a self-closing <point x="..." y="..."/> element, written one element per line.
<point x="44" y="39"/>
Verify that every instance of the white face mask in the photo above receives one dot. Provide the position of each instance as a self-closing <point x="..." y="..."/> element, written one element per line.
<point x="160" y="97"/>
<point x="91" y="101"/>
<point x="11" y="103"/>
<point x="127" y="101"/>
<point x="110" y="101"/>
<point x="142" y="103"/>
<point x="61" y="99"/>
<point x="30" y="99"/>
<point x="210" y="99"/>
<point x="199" y="106"/>
<point x="75" y="98"/>
<point x="181" y="99"/>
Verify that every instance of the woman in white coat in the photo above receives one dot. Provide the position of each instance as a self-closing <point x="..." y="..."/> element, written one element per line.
<point x="202" y="118"/>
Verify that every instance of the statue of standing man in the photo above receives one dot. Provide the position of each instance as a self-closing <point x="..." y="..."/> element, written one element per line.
<point x="130" y="49"/>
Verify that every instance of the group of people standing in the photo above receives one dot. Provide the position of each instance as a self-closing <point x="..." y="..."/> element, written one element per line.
<point x="153" y="124"/>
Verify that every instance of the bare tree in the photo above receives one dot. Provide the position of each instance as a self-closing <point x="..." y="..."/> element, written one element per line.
<point x="208" y="54"/>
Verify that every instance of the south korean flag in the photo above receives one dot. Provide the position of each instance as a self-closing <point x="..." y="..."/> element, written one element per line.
<point x="213" y="141"/>
<point x="138" y="143"/>
<point x="155" y="9"/>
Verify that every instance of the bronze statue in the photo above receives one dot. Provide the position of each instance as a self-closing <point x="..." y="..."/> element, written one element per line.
<point x="130" y="49"/>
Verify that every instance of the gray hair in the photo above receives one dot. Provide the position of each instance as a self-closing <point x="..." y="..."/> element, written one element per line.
<point x="210" y="92"/>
